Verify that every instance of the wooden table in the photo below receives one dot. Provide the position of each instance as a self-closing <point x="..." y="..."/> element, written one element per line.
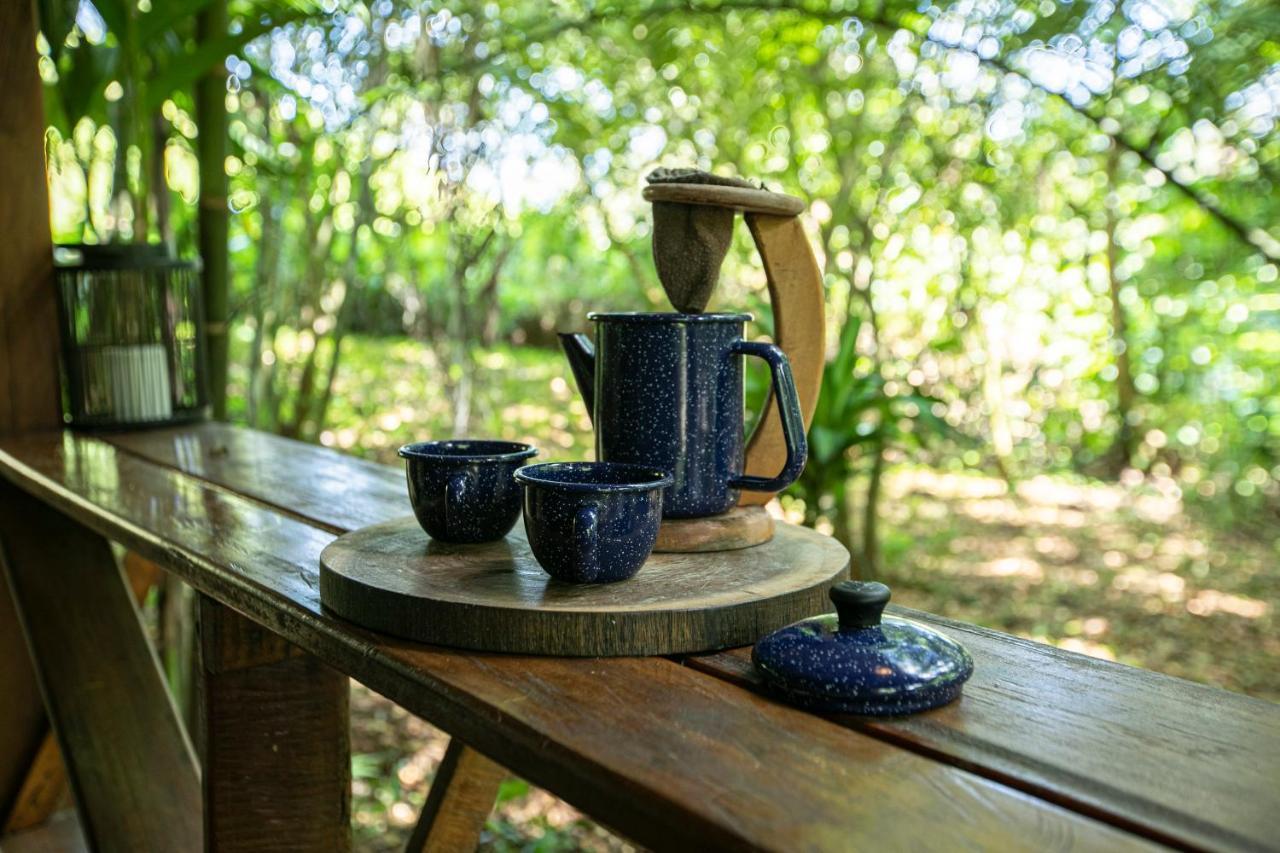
<point x="1047" y="749"/>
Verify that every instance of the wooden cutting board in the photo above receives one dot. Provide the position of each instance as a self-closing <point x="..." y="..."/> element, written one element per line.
<point x="394" y="579"/>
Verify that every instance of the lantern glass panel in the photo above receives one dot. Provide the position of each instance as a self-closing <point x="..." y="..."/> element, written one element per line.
<point x="132" y="336"/>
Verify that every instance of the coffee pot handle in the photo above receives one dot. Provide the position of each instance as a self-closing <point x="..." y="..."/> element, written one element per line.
<point x="784" y="391"/>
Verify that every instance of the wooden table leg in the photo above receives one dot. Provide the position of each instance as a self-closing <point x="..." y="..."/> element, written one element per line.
<point x="275" y="740"/>
<point x="459" y="802"/>
<point x="28" y="348"/>
<point x="127" y="756"/>
<point x="46" y="779"/>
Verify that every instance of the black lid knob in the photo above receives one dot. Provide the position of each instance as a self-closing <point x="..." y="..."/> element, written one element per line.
<point x="859" y="603"/>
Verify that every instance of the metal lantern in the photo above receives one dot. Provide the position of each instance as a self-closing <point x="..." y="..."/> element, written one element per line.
<point x="132" y="336"/>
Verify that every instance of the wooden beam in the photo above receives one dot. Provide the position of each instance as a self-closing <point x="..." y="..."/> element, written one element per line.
<point x="41" y="791"/>
<point x="799" y="328"/>
<point x="275" y="740"/>
<point x="459" y="803"/>
<point x="46" y="780"/>
<point x="130" y="764"/>
<point x="28" y="342"/>
<point x="28" y="312"/>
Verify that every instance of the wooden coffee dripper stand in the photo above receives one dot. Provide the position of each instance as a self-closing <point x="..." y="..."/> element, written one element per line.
<point x="799" y="314"/>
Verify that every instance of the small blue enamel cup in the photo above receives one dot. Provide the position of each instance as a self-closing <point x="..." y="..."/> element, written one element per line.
<point x="592" y="522"/>
<point x="463" y="491"/>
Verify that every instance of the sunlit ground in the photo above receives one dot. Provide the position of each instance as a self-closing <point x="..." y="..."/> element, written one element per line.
<point x="1116" y="571"/>
<point x="1122" y="571"/>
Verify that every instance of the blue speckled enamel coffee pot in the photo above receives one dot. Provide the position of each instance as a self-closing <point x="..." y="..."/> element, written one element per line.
<point x="666" y="390"/>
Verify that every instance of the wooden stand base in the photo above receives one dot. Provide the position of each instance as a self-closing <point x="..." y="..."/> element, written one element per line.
<point x="495" y="597"/>
<point x="740" y="527"/>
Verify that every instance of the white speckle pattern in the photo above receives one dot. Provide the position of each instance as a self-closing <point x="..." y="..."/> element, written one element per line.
<point x="668" y="392"/>
<point x="592" y="522"/>
<point x="896" y="667"/>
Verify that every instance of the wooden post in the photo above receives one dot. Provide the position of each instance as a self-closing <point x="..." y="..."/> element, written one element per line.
<point x="274" y="740"/>
<point x="131" y="767"/>
<point x="800" y="328"/>
<point x="459" y="803"/>
<point x="211" y="146"/>
<point x="28" y="346"/>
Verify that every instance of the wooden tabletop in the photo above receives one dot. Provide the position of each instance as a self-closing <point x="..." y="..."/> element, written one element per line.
<point x="1047" y="749"/>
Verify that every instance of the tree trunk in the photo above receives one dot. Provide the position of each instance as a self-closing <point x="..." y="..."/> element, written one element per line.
<point x="842" y="528"/>
<point x="211" y="117"/>
<point x="159" y="183"/>
<point x="871" y="516"/>
<point x="1126" y="394"/>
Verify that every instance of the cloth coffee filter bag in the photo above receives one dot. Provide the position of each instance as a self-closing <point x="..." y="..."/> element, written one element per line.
<point x="690" y="241"/>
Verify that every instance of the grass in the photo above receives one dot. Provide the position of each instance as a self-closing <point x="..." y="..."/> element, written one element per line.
<point x="1122" y="571"/>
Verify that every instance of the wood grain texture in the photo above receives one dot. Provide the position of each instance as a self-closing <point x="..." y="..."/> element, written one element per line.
<point x="740" y="527"/>
<point x="799" y="328"/>
<point x="667" y="755"/>
<point x="60" y="834"/>
<point x="42" y="790"/>
<point x="394" y="579"/>
<point x="130" y="764"/>
<point x="28" y="313"/>
<point x="28" y="346"/>
<point x="742" y="199"/>
<point x="1047" y="735"/>
<point x="45" y="787"/>
<point x="1180" y="761"/>
<point x="1039" y="718"/>
<point x="461" y="798"/>
<point x="298" y="479"/>
<point x="275" y="741"/>
<point x="23" y="726"/>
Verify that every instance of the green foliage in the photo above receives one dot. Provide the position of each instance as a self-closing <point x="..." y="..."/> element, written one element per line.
<point x="130" y="68"/>
<point x="1051" y="226"/>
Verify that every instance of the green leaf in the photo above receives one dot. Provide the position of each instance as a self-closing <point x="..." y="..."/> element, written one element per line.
<point x="181" y="71"/>
<point x="57" y="17"/>
<point x="166" y="16"/>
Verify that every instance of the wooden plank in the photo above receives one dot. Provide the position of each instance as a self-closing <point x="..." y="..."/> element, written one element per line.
<point x="495" y="597"/>
<point x="461" y="798"/>
<point x="60" y="834"/>
<point x="799" y="328"/>
<point x="28" y="313"/>
<point x="28" y="342"/>
<point x="131" y="767"/>
<point x="231" y="455"/>
<point x="1042" y="719"/>
<point x="1122" y="744"/>
<point x="23" y="727"/>
<point x="42" y="790"/>
<point x="275" y="741"/>
<point x="45" y="785"/>
<point x="744" y="199"/>
<point x="740" y="527"/>
<point x="661" y="751"/>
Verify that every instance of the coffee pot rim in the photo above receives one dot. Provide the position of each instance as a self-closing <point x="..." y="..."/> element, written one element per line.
<point x="667" y="317"/>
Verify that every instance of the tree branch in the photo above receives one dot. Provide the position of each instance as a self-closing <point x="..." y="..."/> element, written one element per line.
<point x="1255" y="237"/>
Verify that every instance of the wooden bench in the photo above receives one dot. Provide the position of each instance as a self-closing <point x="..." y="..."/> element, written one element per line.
<point x="1046" y="749"/>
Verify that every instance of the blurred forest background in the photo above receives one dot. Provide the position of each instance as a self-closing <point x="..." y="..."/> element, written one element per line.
<point x="1050" y="235"/>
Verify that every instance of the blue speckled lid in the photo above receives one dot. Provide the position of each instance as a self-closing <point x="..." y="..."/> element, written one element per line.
<point x="857" y="661"/>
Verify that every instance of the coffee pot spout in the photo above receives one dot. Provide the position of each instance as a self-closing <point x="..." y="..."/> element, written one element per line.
<point x="582" y="361"/>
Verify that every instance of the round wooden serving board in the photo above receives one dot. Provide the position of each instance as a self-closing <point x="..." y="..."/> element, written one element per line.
<point x="740" y="527"/>
<point x="393" y="579"/>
